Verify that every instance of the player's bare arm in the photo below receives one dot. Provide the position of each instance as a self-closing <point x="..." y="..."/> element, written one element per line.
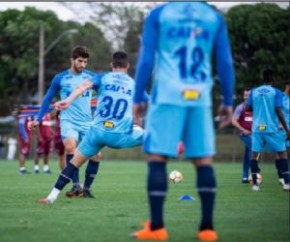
<point x="63" y="104"/>
<point x="226" y="113"/>
<point x="280" y="115"/>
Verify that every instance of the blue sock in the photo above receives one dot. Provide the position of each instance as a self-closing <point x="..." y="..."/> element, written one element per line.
<point x="65" y="176"/>
<point x="156" y="190"/>
<point x="75" y="177"/>
<point x="206" y="186"/>
<point x="91" y="172"/>
<point x="254" y="170"/>
<point x="284" y="168"/>
<point x="246" y="163"/>
<point x="278" y="167"/>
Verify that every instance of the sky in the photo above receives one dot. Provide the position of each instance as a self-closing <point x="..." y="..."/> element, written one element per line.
<point x="65" y="14"/>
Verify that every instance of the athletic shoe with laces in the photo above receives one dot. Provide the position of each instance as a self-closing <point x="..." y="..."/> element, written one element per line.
<point x="87" y="194"/>
<point x="207" y="235"/>
<point x="255" y="188"/>
<point x="147" y="234"/>
<point x="286" y="187"/>
<point x="76" y="191"/>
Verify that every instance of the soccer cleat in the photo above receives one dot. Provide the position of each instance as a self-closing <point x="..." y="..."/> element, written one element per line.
<point x="36" y="171"/>
<point x="245" y="180"/>
<point x="286" y="187"/>
<point x="76" y="191"/>
<point x="24" y="172"/>
<point x="45" y="201"/>
<point x="207" y="235"/>
<point x="87" y="194"/>
<point x="255" y="188"/>
<point x="147" y="234"/>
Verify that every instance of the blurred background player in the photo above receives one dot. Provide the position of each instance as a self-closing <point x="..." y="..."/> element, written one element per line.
<point x="266" y="103"/>
<point x="12" y="148"/>
<point x="24" y="138"/>
<point x="77" y="119"/>
<point x="44" y="141"/>
<point x="243" y="121"/>
<point x="180" y="38"/>
<point x="286" y="112"/>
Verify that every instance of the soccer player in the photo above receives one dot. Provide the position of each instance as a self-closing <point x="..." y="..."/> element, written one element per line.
<point x="44" y="139"/>
<point x="266" y="103"/>
<point x="286" y="112"/>
<point x="77" y="119"/>
<point x="286" y="109"/>
<point x="113" y="124"/>
<point x="177" y="43"/>
<point x="24" y="138"/>
<point x="243" y="121"/>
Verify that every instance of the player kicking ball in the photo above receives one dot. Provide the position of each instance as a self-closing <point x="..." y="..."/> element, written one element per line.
<point x="113" y="126"/>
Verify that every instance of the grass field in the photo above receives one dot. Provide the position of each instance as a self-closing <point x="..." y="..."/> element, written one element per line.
<point x="121" y="206"/>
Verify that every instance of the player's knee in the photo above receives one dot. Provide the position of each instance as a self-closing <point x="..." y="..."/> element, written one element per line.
<point x="97" y="157"/>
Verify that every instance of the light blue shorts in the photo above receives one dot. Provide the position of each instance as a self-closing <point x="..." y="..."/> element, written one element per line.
<point x="96" y="139"/>
<point x="70" y="130"/>
<point x="273" y="142"/>
<point x="167" y="125"/>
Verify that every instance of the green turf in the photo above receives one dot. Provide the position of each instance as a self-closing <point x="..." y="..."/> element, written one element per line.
<point x="120" y="208"/>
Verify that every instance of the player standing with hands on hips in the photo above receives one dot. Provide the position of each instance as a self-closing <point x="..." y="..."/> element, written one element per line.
<point x="180" y="38"/>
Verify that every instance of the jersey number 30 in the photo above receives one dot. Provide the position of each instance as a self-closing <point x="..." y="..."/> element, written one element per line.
<point x="116" y="109"/>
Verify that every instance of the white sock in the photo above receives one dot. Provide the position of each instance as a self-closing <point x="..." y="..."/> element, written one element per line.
<point x="36" y="167"/>
<point x="22" y="168"/>
<point x="45" y="168"/>
<point x="53" y="194"/>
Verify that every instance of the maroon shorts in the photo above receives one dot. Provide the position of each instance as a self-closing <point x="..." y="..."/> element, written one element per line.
<point x="24" y="148"/>
<point x="44" y="147"/>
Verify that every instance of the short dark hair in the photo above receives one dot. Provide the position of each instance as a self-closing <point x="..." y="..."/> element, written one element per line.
<point x="286" y="83"/>
<point x="120" y="59"/>
<point x="268" y="75"/>
<point x="80" y="51"/>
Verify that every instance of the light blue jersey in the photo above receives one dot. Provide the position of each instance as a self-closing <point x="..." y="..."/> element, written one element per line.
<point x="265" y="129"/>
<point x="179" y="41"/>
<point x="184" y="35"/>
<point x="263" y="100"/>
<point x="113" y="123"/>
<point x="115" y="99"/>
<point x="79" y="112"/>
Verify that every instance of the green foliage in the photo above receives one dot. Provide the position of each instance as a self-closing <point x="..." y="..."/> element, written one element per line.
<point x="19" y="48"/>
<point x="260" y="39"/>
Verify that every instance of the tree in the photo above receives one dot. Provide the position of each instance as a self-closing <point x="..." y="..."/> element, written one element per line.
<point x="19" y="48"/>
<point x="260" y="39"/>
<point x="115" y="19"/>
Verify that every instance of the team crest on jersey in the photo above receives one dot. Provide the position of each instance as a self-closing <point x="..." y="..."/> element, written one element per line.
<point x="108" y="124"/>
<point x="262" y="127"/>
<point x="191" y="94"/>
